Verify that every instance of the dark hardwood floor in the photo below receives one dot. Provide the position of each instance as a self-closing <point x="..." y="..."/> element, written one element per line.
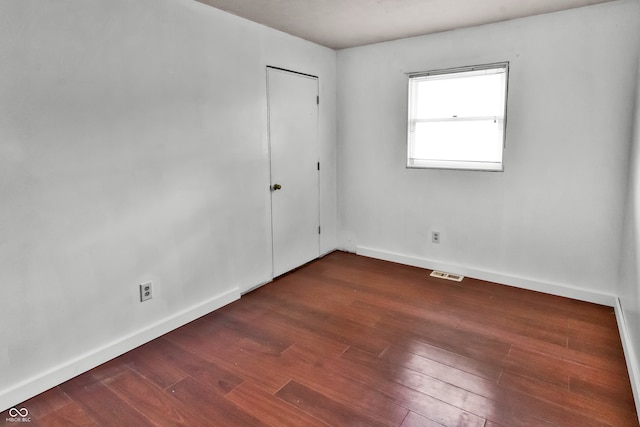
<point x="352" y="341"/>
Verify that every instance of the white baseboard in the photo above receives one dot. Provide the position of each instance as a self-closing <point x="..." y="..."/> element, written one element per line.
<point x="253" y="288"/>
<point x="45" y="380"/>
<point x="633" y="364"/>
<point x="558" y="289"/>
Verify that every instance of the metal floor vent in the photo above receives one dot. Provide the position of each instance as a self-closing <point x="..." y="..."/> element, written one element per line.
<point x="447" y="276"/>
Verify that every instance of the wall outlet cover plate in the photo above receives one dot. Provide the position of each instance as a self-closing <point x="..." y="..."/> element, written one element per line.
<point x="145" y="291"/>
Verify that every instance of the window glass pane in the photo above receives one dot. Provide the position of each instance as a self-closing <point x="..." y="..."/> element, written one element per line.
<point x="473" y="96"/>
<point x="471" y="141"/>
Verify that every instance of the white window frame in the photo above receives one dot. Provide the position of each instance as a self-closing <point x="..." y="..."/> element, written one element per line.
<point x="458" y="164"/>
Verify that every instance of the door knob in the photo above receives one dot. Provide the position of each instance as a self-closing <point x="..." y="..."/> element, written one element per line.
<point x="276" y="187"/>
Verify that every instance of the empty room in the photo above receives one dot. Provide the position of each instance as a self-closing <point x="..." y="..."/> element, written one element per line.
<point x="320" y="213"/>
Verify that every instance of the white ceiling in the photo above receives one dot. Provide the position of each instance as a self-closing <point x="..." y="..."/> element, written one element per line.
<point x="341" y="24"/>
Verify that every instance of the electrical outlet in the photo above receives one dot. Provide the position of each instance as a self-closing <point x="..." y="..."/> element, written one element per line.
<point x="145" y="291"/>
<point x="435" y="236"/>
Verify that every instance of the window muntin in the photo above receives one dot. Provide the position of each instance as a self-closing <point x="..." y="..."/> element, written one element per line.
<point x="457" y="118"/>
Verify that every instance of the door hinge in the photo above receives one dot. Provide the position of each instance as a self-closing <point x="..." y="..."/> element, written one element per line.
<point x="318" y="165"/>
<point x="318" y="100"/>
<point x="318" y="229"/>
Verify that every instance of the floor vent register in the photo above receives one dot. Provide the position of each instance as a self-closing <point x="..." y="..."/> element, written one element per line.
<point x="447" y="276"/>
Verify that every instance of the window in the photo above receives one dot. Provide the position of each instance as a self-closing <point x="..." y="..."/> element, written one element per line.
<point x="457" y="118"/>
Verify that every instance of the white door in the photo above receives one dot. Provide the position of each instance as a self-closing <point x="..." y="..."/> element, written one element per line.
<point x="295" y="191"/>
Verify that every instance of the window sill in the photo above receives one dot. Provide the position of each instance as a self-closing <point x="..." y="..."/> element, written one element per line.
<point x="455" y="165"/>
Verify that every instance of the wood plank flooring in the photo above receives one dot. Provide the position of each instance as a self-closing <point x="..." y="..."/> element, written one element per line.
<point x="352" y="341"/>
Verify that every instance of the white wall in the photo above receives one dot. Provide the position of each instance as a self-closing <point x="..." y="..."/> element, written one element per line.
<point x="133" y="147"/>
<point x="629" y="288"/>
<point x="554" y="216"/>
